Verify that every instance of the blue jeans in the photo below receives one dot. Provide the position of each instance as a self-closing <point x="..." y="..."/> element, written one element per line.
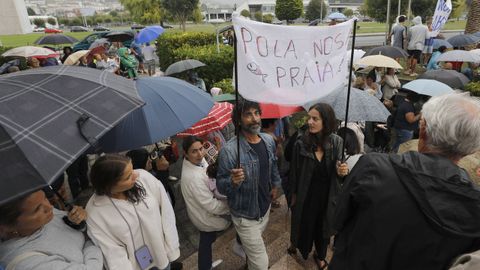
<point x="205" y="250"/>
<point x="403" y="135"/>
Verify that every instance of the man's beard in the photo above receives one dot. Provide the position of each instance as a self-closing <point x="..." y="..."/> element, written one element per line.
<point x="252" y="128"/>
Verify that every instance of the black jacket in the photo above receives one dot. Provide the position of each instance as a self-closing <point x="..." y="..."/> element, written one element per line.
<point x="411" y="211"/>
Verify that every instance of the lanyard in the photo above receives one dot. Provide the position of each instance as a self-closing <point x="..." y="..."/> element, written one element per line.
<point x="129" y="228"/>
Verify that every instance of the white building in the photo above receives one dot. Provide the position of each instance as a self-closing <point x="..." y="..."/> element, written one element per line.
<point x="14" y="17"/>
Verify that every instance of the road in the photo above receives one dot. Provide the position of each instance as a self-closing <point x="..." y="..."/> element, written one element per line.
<point x="378" y="39"/>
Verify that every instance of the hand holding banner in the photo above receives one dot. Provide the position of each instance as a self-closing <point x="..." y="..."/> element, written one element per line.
<point x="290" y="65"/>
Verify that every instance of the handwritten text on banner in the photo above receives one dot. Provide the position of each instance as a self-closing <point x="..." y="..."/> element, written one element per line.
<point x="290" y="64"/>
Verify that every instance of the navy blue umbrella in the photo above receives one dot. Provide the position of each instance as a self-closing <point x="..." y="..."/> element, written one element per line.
<point x="172" y="106"/>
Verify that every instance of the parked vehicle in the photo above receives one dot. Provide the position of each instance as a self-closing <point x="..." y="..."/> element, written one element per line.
<point x="85" y="43"/>
<point x="39" y="29"/>
<point x="137" y="26"/>
<point x="52" y="31"/>
<point x="78" y="29"/>
<point x="100" y="28"/>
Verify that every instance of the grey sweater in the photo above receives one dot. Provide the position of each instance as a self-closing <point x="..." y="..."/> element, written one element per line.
<point x="64" y="248"/>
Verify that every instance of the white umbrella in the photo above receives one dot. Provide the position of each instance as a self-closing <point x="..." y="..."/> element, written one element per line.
<point x="476" y="51"/>
<point x="29" y="51"/>
<point x="428" y="87"/>
<point x="73" y="58"/>
<point x="459" y="56"/>
<point x="378" y="61"/>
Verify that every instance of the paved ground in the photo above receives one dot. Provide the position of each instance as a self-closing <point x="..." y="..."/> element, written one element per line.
<point x="276" y="239"/>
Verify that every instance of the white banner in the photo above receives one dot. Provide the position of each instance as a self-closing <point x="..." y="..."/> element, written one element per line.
<point x="440" y="17"/>
<point x="290" y="65"/>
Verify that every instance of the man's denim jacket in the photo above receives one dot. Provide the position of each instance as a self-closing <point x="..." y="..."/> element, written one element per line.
<point x="243" y="198"/>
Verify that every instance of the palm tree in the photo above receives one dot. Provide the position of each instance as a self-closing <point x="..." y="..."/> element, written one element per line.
<point x="473" y="17"/>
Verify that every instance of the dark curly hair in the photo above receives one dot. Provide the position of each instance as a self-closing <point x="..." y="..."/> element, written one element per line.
<point x="243" y="105"/>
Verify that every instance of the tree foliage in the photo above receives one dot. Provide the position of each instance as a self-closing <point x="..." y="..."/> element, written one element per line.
<point x="39" y="22"/>
<point x="377" y="9"/>
<point x="258" y="16"/>
<point x="31" y="12"/>
<point x="314" y="8"/>
<point x="143" y="11"/>
<point x="348" y="12"/>
<point x="181" y="10"/>
<point x="245" y="13"/>
<point x="268" y="18"/>
<point x="51" y="21"/>
<point x="113" y="13"/>
<point x="288" y="9"/>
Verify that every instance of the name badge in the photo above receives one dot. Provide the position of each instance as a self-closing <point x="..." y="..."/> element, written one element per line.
<point x="143" y="256"/>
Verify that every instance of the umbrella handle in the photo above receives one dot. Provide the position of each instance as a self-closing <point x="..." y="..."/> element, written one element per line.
<point x="80" y="124"/>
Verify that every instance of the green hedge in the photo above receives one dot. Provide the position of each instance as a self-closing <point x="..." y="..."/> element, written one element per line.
<point x="473" y="88"/>
<point x="226" y="86"/>
<point x="219" y="66"/>
<point x="168" y="42"/>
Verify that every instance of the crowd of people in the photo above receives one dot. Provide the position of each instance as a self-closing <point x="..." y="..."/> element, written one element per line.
<point x="418" y="41"/>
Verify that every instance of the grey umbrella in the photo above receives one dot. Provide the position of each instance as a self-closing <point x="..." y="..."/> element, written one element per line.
<point x="50" y="116"/>
<point x="390" y="51"/>
<point x="451" y="78"/>
<point x="99" y="42"/>
<point x="463" y="40"/>
<point x="363" y="107"/>
<point x="119" y="36"/>
<point x="437" y="43"/>
<point x="56" y="39"/>
<point x="182" y="66"/>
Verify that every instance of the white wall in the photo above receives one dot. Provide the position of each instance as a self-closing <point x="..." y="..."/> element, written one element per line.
<point x="14" y="17"/>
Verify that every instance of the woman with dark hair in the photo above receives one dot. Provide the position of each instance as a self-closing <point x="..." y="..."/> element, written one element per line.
<point x="203" y="208"/>
<point x="34" y="236"/>
<point x="130" y="216"/>
<point x="352" y="146"/>
<point x="315" y="173"/>
<point x="67" y="51"/>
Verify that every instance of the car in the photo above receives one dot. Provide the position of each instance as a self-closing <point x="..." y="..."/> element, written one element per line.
<point x="78" y="29"/>
<point x="166" y="26"/>
<point x="137" y="26"/>
<point x="85" y="43"/>
<point x="100" y="28"/>
<point x="52" y="31"/>
<point x="38" y="29"/>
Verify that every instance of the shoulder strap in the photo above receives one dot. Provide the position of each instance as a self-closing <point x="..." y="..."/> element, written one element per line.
<point x="13" y="264"/>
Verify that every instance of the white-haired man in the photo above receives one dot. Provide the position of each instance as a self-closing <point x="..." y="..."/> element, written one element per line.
<point x="418" y="210"/>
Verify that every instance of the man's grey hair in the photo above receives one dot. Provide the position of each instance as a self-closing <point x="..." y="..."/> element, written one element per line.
<point x="453" y="124"/>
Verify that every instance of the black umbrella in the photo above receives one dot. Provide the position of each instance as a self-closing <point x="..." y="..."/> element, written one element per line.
<point x="50" y="116"/>
<point x="119" y="36"/>
<point x="56" y="39"/>
<point x="463" y="40"/>
<point x="451" y="78"/>
<point x="390" y="51"/>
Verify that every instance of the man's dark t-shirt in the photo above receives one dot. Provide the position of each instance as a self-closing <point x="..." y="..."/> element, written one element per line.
<point x="263" y="181"/>
<point x="400" y="121"/>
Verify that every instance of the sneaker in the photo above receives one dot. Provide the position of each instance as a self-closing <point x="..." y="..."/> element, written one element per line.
<point x="238" y="250"/>
<point x="407" y="72"/>
<point x="216" y="263"/>
<point x="413" y="74"/>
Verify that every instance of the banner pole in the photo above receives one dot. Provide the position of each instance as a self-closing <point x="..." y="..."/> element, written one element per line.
<point x="349" y="85"/>
<point x="237" y="111"/>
